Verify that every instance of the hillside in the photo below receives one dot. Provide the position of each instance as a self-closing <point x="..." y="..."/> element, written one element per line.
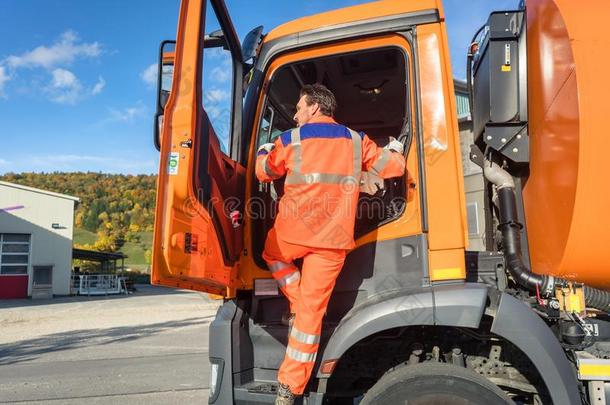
<point x="115" y="212"/>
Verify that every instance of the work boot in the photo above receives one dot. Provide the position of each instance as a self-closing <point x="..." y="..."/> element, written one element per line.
<point x="288" y="318"/>
<point x="284" y="395"/>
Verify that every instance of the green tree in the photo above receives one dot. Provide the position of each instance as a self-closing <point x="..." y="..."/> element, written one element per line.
<point x="115" y="207"/>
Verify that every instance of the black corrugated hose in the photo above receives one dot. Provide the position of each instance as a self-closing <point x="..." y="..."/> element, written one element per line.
<point x="598" y="299"/>
<point x="511" y="241"/>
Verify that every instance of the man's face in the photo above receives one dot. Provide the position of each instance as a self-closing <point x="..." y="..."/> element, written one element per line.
<point x="305" y="112"/>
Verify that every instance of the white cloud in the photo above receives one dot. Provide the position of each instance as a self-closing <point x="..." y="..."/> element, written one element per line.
<point x="216" y="53"/>
<point x="127" y="114"/>
<point x="213" y="112"/>
<point x="149" y="75"/>
<point x="99" y="86"/>
<point x="219" y="65"/>
<point x="220" y="74"/>
<point x="4" y="77"/>
<point x="4" y="162"/>
<point x="65" y="88"/>
<point x="63" y="78"/>
<point x="63" y="52"/>
<point x="216" y="96"/>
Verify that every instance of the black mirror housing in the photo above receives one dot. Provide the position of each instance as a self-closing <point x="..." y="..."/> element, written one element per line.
<point x="165" y="72"/>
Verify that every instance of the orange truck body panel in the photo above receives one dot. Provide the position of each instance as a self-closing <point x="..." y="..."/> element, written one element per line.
<point x="566" y="196"/>
<point x="447" y="236"/>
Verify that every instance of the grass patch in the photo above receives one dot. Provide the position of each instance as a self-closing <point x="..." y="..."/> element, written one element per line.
<point x="146" y="238"/>
<point x="84" y="237"/>
<point x="135" y="251"/>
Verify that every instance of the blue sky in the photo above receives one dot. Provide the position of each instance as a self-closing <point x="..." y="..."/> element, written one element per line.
<point x="76" y="91"/>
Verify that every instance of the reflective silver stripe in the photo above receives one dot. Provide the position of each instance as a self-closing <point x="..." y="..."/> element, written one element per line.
<point x="319" y="178"/>
<point x="289" y="279"/>
<point x="357" y="142"/>
<point x="296" y="177"/>
<point x="295" y="141"/>
<point x="300" y="356"/>
<point x="303" y="337"/>
<point x="277" y="266"/>
<point x="382" y="161"/>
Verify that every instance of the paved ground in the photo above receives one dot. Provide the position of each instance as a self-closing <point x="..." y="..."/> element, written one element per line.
<point x="146" y="348"/>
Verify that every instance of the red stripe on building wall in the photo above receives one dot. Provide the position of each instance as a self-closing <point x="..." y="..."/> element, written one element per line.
<point x="13" y="287"/>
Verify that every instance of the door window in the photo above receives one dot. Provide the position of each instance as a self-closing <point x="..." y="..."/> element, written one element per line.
<point x="273" y="123"/>
<point x="372" y="92"/>
<point x="217" y="79"/>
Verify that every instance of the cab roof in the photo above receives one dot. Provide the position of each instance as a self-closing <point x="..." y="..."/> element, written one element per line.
<point x="346" y="15"/>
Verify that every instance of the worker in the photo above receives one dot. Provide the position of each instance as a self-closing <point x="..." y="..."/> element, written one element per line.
<point x="322" y="161"/>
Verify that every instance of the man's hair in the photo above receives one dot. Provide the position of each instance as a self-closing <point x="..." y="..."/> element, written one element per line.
<point x="318" y="93"/>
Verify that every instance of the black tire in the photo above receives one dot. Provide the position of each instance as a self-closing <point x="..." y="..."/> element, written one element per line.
<point x="432" y="384"/>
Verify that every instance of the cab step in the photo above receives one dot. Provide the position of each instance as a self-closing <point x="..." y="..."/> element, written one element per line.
<point x="258" y="392"/>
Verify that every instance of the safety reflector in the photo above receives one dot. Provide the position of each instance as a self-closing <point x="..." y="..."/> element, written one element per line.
<point x="594" y="369"/>
<point x="265" y="287"/>
<point x="328" y="366"/>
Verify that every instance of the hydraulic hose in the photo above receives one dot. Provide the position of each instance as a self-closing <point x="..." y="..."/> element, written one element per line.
<point x="469" y="71"/>
<point x="510" y="227"/>
<point x="598" y="299"/>
<point x="511" y="241"/>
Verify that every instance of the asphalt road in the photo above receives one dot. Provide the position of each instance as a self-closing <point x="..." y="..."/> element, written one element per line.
<point x="148" y="348"/>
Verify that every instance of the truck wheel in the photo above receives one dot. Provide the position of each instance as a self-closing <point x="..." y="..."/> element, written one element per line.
<point x="434" y="383"/>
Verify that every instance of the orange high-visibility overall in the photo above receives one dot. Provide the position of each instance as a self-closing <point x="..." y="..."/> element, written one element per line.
<point x="322" y="162"/>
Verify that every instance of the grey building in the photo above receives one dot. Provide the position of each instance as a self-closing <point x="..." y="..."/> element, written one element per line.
<point x="473" y="175"/>
<point x="36" y="229"/>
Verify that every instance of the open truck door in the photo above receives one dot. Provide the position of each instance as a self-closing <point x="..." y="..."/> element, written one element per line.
<point x="197" y="237"/>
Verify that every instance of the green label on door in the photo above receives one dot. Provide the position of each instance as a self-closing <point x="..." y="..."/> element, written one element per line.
<point x="172" y="164"/>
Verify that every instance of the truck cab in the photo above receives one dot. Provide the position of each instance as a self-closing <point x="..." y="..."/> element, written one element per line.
<point x="411" y="302"/>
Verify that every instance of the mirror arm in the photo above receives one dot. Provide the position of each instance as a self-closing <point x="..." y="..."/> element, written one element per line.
<point x="215" y="42"/>
<point x="227" y="26"/>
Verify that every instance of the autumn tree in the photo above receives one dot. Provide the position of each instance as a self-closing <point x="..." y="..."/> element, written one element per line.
<point x="116" y="207"/>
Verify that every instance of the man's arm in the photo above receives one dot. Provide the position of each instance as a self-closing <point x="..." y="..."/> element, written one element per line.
<point x="270" y="161"/>
<point x="383" y="162"/>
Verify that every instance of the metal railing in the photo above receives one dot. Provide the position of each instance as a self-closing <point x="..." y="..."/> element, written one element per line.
<point x="98" y="284"/>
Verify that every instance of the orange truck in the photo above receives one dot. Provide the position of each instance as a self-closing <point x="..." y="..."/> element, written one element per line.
<point x="415" y="316"/>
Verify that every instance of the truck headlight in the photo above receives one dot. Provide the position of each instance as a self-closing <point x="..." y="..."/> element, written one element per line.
<point x="216" y="371"/>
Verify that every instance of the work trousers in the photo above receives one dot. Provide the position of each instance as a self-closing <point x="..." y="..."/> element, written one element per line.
<point x="308" y="293"/>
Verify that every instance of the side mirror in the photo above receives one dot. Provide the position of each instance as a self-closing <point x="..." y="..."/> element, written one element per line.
<point x="249" y="49"/>
<point x="250" y="43"/>
<point x="165" y="75"/>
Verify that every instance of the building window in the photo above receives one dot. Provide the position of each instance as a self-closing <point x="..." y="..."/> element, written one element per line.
<point x="14" y="253"/>
<point x="463" y="107"/>
<point x="472" y="213"/>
